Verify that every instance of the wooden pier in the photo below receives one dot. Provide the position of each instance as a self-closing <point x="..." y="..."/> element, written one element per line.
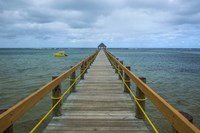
<point x="99" y="104"/>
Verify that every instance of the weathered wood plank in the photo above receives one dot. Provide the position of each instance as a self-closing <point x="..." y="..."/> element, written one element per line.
<point x="134" y="128"/>
<point x="113" y="131"/>
<point x="110" y="117"/>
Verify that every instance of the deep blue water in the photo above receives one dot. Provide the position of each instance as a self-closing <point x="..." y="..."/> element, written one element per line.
<point x="172" y="73"/>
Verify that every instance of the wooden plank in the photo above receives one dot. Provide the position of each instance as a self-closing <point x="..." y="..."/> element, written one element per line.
<point x="108" y="87"/>
<point x="90" y="103"/>
<point x="113" y="131"/>
<point x="110" y="117"/>
<point x="134" y="128"/>
<point x="98" y="97"/>
<point x="100" y="113"/>
<point x="99" y="108"/>
<point x="86" y="94"/>
<point x="98" y="103"/>
<point x="101" y="85"/>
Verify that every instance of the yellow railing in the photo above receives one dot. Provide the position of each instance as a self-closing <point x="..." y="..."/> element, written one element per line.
<point x="177" y="120"/>
<point x="17" y="111"/>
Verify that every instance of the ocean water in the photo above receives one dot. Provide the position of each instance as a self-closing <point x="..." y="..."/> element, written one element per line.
<point x="173" y="73"/>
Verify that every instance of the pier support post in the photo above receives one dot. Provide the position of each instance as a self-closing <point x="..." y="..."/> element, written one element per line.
<point x="120" y="70"/>
<point x="187" y="116"/>
<point x="141" y="100"/>
<point x="127" y="80"/>
<point x="82" y="69"/>
<point x="116" y="69"/>
<point x="72" y="80"/>
<point x="10" y="128"/>
<point x="56" y="94"/>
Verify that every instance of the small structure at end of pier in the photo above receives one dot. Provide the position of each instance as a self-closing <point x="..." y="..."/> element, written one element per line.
<point x="102" y="46"/>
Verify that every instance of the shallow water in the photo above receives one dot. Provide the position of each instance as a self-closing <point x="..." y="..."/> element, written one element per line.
<point x="172" y="73"/>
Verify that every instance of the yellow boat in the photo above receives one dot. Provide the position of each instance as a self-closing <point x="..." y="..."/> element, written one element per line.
<point x="60" y="54"/>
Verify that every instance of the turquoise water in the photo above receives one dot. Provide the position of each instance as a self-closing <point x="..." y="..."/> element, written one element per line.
<point x="172" y="73"/>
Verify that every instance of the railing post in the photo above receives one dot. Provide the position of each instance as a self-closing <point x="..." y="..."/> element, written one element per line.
<point x="94" y="58"/>
<point x="56" y="93"/>
<point x="10" y="128"/>
<point x="187" y="116"/>
<point x="109" y="59"/>
<point x="120" y="70"/>
<point x="91" y="60"/>
<point x="116" y="69"/>
<point x="127" y="80"/>
<point x="141" y="100"/>
<point x="112" y="63"/>
<point x="86" y="63"/>
<point x="82" y="69"/>
<point x="72" y="80"/>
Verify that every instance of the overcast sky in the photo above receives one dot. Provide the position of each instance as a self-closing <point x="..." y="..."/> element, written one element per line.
<point x="86" y="23"/>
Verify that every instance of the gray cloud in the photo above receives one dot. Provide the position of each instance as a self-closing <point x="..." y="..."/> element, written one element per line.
<point x="12" y="4"/>
<point x="122" y="21"/>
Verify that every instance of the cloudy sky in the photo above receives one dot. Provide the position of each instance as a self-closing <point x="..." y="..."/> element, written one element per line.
<point x="86" y="23"/>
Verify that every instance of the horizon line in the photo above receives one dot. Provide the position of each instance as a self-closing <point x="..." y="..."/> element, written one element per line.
<point x="97" y="47"/>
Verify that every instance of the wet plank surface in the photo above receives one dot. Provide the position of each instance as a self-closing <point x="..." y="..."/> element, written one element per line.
<point x="99" y="105"/>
